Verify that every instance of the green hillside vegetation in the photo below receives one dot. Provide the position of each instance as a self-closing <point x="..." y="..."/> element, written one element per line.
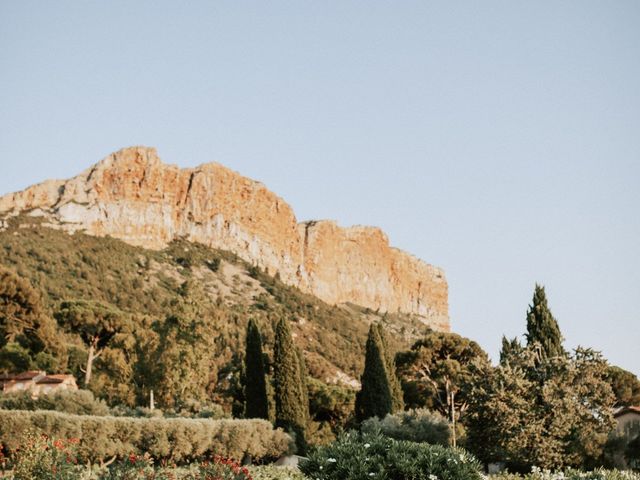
<point x="128" y="320"/>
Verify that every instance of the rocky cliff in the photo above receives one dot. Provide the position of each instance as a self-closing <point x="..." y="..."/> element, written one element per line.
<point x="133" y="196"/>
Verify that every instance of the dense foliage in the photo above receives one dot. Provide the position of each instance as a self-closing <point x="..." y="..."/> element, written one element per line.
<point x="438" y="371"/>
<point x="255" y="389"/>
<point x="554" y="412"/>
<point x="27" y="332"/>
<point x="420" y="425"/>
<point x="78" y="402"/>
<point x="542" y="327"/>
<point x="625" y="385"/>
<point x="128" y="321"/>
<point x="570" y="474"/>
<point x="357" y="456"/>
<point x="175" y="439"/>
<point x="376" y="396"/>
<point x="291" y="395"/>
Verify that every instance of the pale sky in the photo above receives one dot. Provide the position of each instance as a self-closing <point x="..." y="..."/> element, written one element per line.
<point x="499" y="140"/>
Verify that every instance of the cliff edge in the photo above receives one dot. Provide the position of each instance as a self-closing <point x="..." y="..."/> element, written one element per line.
<point x="133" y="196"/>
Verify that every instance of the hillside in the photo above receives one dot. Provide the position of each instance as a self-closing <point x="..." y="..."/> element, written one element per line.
<point x="146" y="283"/>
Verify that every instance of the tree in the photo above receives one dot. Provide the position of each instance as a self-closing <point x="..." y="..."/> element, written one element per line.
<point x="397" y="397"/>
<point x="256" y="400"/>
<point x="542" y="327"/>
<point x="25" y="326"/>
<point x="304" y="384"/>
<point x="511" y="349"/>
<point x="559" y="417"/>
<point x="181" y="363"/>
<point x="292" y="408"/>
<point x="625" y="385"/>
<point x="437" y="373"/>
<point x="14" y="357"/>
<point x="375" y="398"/>
<point x="95" y="323"/>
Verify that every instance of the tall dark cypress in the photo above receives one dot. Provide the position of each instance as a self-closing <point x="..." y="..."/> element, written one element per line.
<point x="255" y="390"/>
<point x="542" y="328"/>
<point x="291" y="409"/>
<point x="302" y="367"/>
<point x="375" y="398"/>
<point x="397" y="399"/>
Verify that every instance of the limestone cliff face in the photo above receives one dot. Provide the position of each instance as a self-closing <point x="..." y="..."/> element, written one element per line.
<point x="133" y="196"/>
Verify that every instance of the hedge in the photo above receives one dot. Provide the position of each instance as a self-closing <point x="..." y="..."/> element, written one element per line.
<point x="174" y="439"/>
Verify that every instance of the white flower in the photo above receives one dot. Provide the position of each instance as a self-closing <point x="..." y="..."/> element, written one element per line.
<point x="433" y="477"/>
<point x="331" y="460"/>
<point x="367" y="445"/>
<point x="372" y="474"/>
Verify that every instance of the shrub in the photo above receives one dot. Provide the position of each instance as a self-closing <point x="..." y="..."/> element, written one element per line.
<point x="356" y="456"/>
<point x="570" y="474"/>
<point x="173" y="439"/>
<point x="223" y="469"/>
<point x="45" y="459"/>
<point x="271" y="472"/>
<point x="420" y="425"/>
<point x="78" y="402"/>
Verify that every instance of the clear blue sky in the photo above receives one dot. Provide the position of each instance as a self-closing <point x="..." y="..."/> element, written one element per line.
<point x="498" y="140"/>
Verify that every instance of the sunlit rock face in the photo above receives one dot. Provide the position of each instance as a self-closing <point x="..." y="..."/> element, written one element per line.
<point x="133" y="196"/>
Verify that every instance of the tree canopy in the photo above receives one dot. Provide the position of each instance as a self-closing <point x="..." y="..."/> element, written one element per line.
<point x="542" y="327"/>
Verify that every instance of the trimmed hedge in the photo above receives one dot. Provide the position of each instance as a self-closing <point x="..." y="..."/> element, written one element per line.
<point x="173" y="439"/>
<point x="77" y="402"/>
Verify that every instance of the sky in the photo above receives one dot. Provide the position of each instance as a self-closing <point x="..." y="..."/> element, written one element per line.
<point x="499" y="140"/>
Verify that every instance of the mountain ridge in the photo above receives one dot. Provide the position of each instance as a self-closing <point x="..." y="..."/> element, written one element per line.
<point x="133" y="196"/>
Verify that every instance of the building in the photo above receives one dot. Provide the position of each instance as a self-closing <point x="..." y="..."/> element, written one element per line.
<point x="628" y="419"/>
<point x="37" y="382"/>
<point x="628" y="427"/>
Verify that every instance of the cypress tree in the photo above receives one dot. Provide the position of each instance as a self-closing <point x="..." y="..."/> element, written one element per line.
<point x="511" y="349"/>
<point x="375" y="398"/>
<point x="255" y="390"/>
<point x="397" y="399"/>
<point x="542" y="328"/>
<point x="291" y="410"/>
<point x="302" y="367"/>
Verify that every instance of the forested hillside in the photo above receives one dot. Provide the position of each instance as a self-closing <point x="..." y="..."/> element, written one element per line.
<point x="172" y="320"/>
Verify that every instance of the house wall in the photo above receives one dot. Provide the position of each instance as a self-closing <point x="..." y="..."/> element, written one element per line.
<point x="629" y="424"/>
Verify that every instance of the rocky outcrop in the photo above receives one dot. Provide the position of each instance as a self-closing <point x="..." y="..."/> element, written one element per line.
<point x="133" y="196"/>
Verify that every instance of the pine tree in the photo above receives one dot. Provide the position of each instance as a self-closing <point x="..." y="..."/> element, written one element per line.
<point x="291" y="410"/>
<point x="542" y="328"/>
<point x="256" y="400"/>
<point x="396" y="390"/>
<point x="375" y="398"/>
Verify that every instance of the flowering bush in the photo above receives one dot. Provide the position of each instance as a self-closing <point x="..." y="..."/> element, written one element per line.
<point x="222" y="469"/>
<point x="599" y="474"/>
<point x="45" y="459"/>
<point x="133" y="467"/>
<point x="357" y="456"/>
